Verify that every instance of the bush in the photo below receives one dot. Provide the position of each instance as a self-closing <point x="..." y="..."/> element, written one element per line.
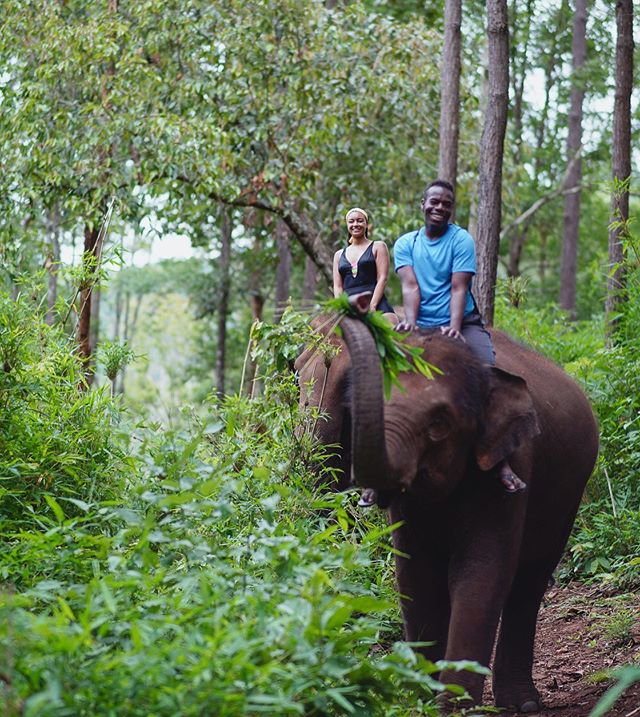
<point x="56" y="451"/>
<point x="217" y="582"/>
<point x="602" y="544"/>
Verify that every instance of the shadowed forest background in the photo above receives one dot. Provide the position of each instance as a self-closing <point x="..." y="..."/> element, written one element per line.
<point x="166" y="551"/>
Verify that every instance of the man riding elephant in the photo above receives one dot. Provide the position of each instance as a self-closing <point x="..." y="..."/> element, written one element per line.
<point x="436" y="265"/>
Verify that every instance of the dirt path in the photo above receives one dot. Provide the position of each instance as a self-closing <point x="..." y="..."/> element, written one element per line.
<point x="581" y="633"/>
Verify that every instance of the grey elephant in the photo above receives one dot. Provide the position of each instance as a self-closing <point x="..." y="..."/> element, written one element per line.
<point x="469" y="556"/>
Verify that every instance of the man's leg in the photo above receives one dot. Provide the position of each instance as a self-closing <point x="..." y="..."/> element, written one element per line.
<point x="479" y="341"/>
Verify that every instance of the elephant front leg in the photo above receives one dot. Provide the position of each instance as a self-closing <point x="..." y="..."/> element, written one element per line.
<point x="481" y="570"/>
<point x="421" y="579"/>
<point x="475" y="612"/>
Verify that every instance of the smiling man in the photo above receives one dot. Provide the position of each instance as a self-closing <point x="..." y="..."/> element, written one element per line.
<point x="436" y="265"/>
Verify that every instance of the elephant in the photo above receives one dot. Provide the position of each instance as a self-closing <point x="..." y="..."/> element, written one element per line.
<point x="469" y="556"/>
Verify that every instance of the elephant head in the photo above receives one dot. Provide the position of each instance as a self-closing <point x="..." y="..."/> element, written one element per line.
<point x="432" y="433"/>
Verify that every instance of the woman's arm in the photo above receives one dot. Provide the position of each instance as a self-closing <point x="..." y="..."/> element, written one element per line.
<point x="338" y="286"/>
<point x="381" y="254"/>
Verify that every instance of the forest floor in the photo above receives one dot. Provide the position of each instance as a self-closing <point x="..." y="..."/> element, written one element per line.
<point x="582" y="632"/>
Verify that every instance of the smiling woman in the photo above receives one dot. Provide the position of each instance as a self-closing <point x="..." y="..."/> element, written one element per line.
<point x="362" y="266"/>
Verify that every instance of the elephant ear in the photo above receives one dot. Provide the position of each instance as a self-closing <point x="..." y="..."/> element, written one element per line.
<point x="510" y="419"/>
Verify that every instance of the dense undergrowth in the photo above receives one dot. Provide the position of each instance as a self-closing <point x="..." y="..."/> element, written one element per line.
<point x="198" y="570"/>
<point x="605" y="543"/>
<point x="191" y="571"/>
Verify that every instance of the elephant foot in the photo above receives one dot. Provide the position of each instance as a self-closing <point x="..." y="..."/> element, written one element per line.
<point x="518" y="700"/>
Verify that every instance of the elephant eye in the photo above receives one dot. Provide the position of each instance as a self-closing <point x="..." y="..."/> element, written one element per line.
<point x="439" y="428"/>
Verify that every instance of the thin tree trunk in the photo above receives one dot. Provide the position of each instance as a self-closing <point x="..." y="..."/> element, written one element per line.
<point x="450" y="93"/>
<point x="310" y="284"/>
<point x="621" y="161"/>
<point x="224" y="265"/>
<point x="94" y="325"/>
<point x="90" y="260"/>
<point x="283" y="270"/>
<point x="252" y="385"/>
<point x="484" y="99"/>
<point x="569" y="258"/>
<point x="491" y="154"/>
<point x="125" y="335"/>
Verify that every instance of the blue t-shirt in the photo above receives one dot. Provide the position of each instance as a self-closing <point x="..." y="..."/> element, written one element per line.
<point x="433" y="261"/>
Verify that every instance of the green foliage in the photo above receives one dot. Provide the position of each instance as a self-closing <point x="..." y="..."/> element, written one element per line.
<point x="114" y="356"/>
<point x="606" y="541"/>
<point x="605" y="547"/>
<point x="626" y="677"/>
<point x="55" y="447"/>
<point x="216" y="582"/>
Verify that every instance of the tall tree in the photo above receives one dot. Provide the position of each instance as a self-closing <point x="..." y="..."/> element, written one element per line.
<point x="491" y="155"/>
<point x="224" y="266"/>
<point x="309" y="284"/>
<point x="450" y="93"/>
<point x="283" y="270"/>
<point x="93" y="237"/>
<point x="569" y="258"/>
<point x="621" y="159"/>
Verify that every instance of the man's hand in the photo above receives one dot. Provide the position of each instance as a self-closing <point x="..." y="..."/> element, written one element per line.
<point x="454" y="333"/>
<point x="405" y="326"/>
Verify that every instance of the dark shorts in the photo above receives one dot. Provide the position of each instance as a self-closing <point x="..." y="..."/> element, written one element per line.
<point x="385" y="306"/>
<point x="478" y="338"/>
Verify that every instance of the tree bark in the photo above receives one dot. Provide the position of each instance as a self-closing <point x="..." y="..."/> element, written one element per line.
<point x="310" y="284"/>
<point x="283" y="271"/>
<point x="256" y="298"/>
<point x="90" y="260"/>
<point x="569" y="258"/>
<point x="491" y="155"/>
<point x="224" y="265"/>
<point x="621" y="162"/>
<point x="94" y="324"/>
<point x="450" y="93"/>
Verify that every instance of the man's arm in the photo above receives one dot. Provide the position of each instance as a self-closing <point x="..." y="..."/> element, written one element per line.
<point x="460" y="282"/>
<point x="410" y="298"/>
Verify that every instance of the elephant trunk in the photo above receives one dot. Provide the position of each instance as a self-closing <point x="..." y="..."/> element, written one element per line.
<point x="369" y="454"/>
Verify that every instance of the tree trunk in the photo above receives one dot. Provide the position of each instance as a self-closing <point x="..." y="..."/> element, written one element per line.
<point x="621" y="161"/>
<point x="491" y="154"/>
<point x="224" y="265"/>
<point x="251" y="384"/>
<point x="283" y="270"/>
<point x="52" y="264"/>
<point x="450" y="93"/>
<point x="569" y="258"/>
<point x="310" y="283"/>
<point x="90" y="261"/>
<point x="94" y="325"/>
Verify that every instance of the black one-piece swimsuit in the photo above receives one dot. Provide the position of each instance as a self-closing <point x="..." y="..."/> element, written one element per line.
<point x="365" y="278"/>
